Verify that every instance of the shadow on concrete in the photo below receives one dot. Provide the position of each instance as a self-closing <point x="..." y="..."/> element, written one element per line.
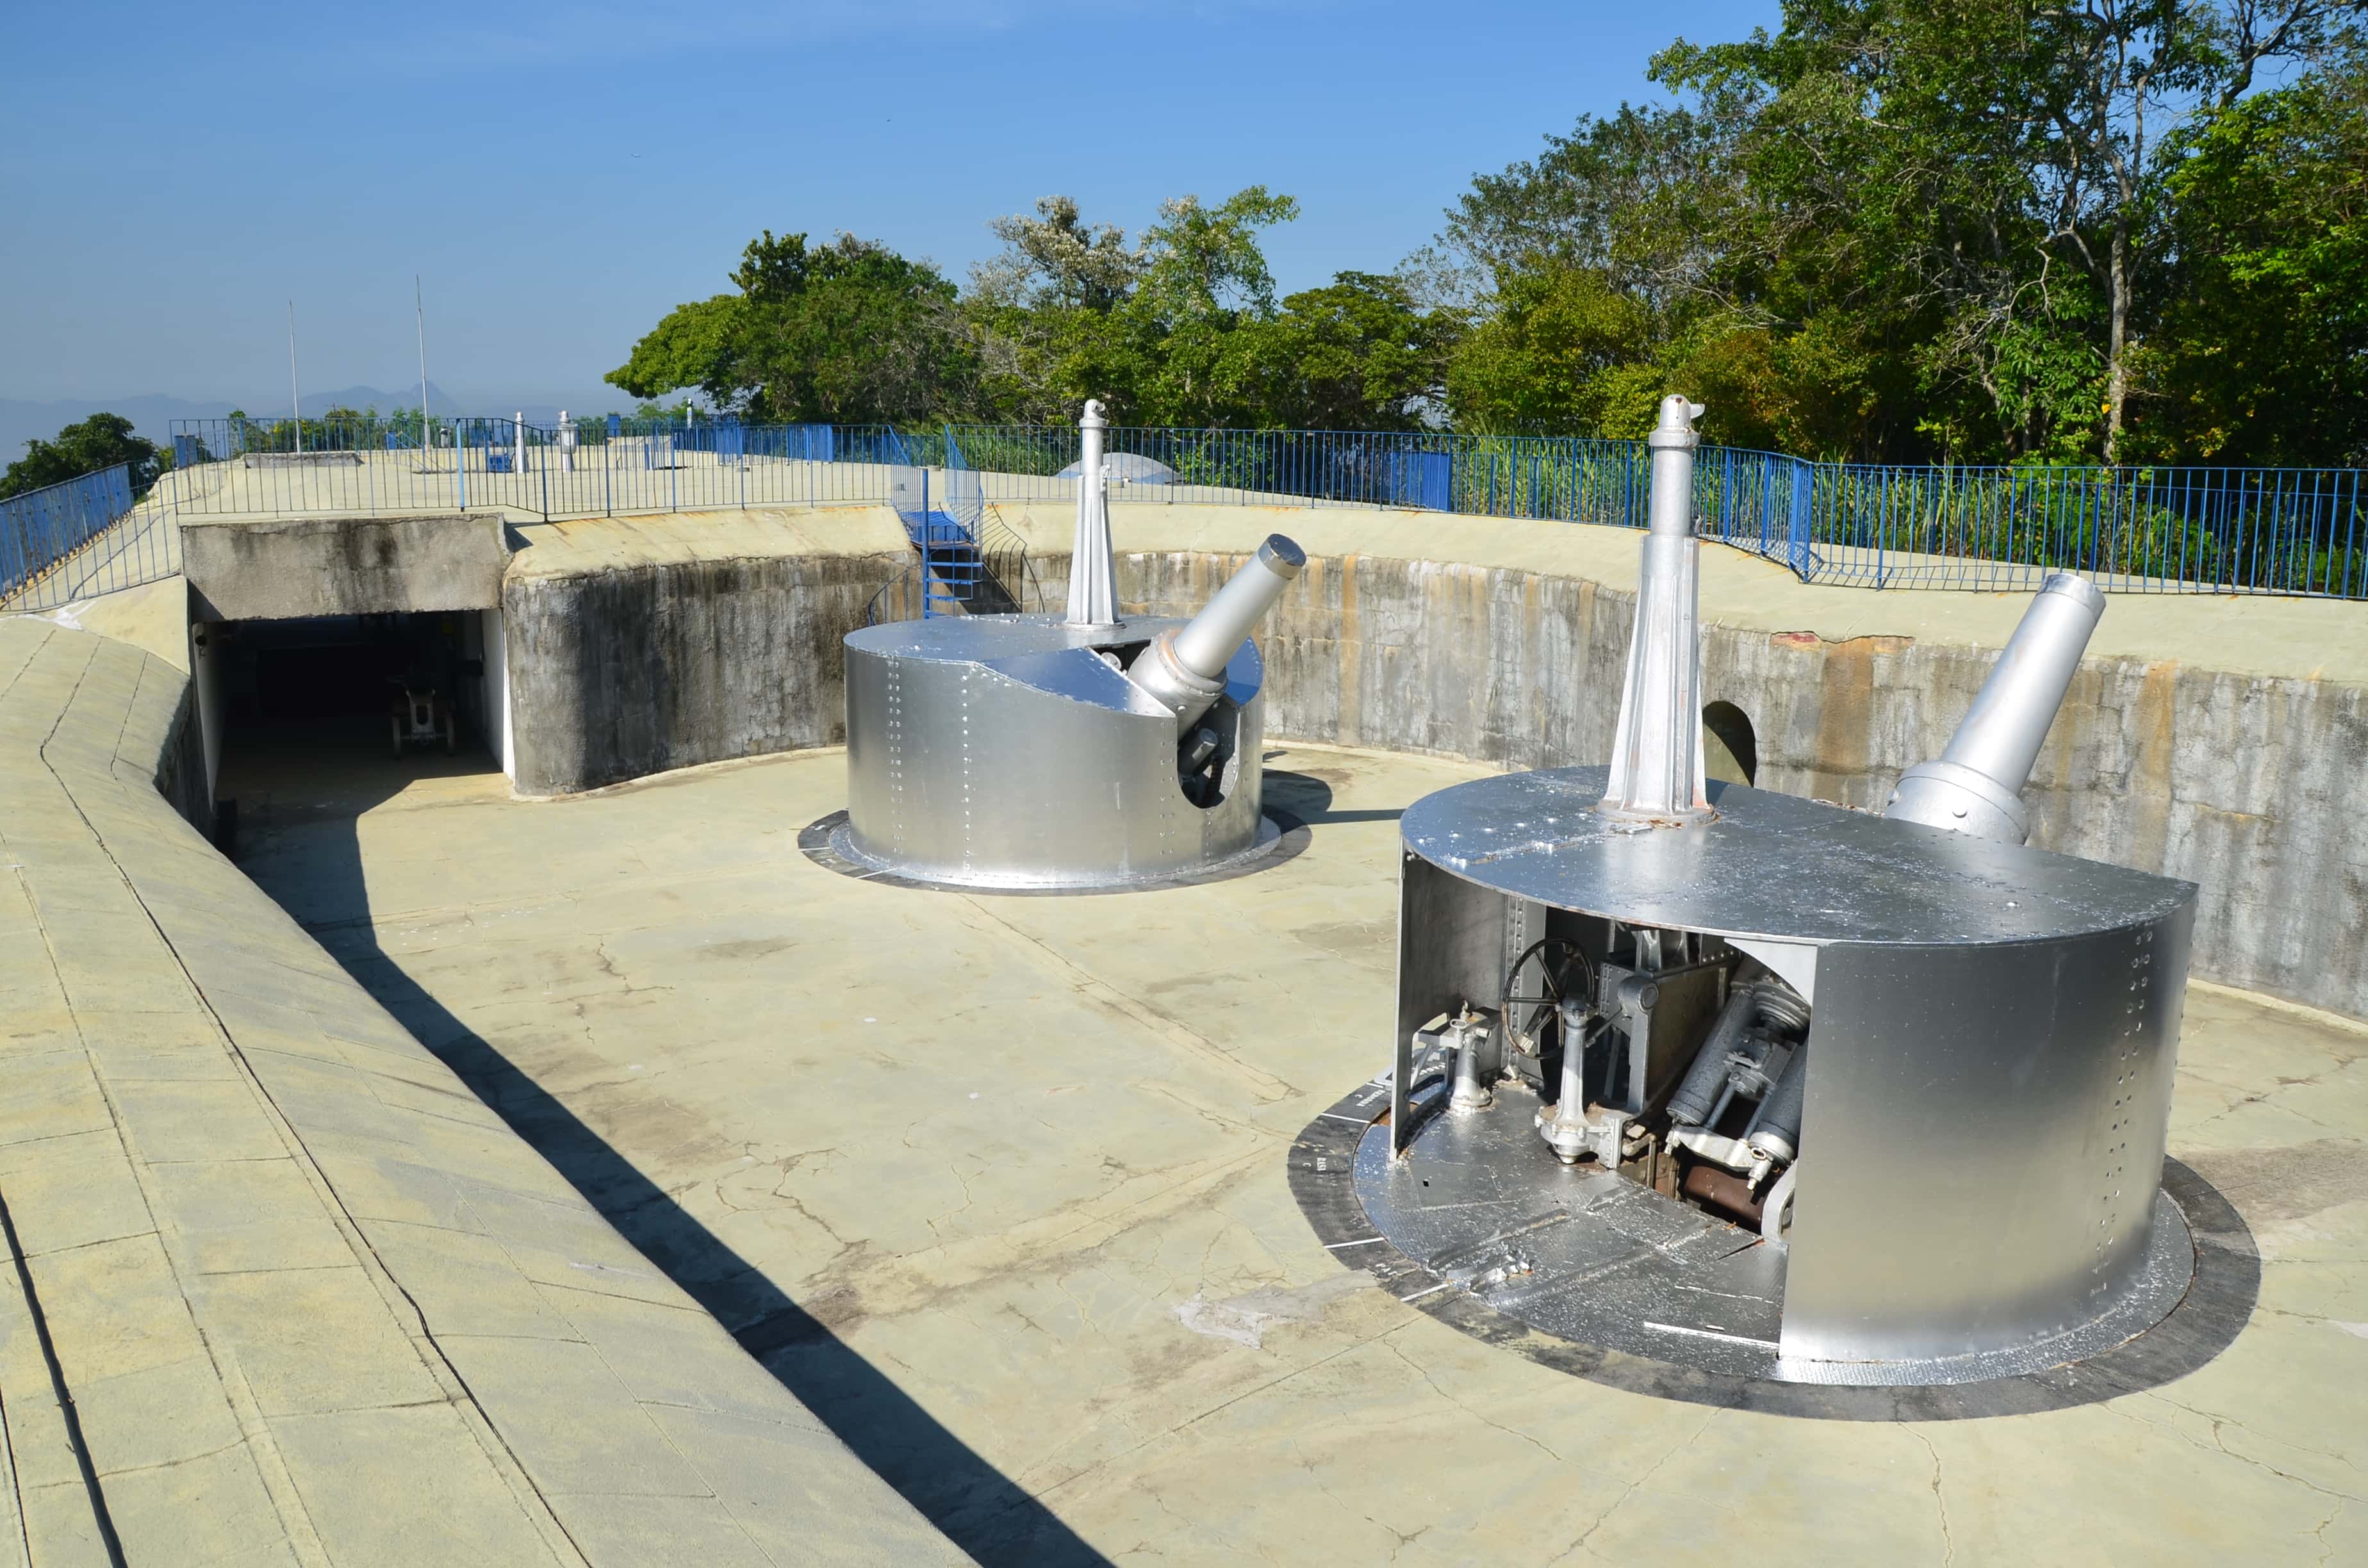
<point x="1309" y="800"/>
<point x="313" y="868"/>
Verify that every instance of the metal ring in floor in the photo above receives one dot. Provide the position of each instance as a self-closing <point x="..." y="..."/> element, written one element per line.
<point x="2213" y="1310"/>
<point x="1282" y="837"/>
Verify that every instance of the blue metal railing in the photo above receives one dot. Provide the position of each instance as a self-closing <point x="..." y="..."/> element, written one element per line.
<point x="2161" y="529"/>
<point x="47" y="549"/>
<point x="2209" y="529"/>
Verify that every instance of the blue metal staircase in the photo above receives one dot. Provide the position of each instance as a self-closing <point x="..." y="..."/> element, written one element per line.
<point x="952" y="567"/>
<point x="944" y="529"/>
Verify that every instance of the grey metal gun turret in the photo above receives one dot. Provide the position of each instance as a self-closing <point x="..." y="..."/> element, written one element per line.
<point x="1975" y="787"/>
<point x="1184" y="669"/>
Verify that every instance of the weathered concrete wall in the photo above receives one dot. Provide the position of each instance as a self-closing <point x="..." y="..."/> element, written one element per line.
<point x="642" y="668"/>
<point x="2247" y="785"/>
<point x="289" y="568"/>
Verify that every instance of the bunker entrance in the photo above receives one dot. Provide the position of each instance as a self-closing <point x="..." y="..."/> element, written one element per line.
<point x="338" y="711"/>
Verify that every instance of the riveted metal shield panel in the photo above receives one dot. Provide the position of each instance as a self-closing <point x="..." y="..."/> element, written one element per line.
<point x="1003" y="752"/>
<point x="1982" y="1139"/>
<point x="1991" y="1062"/>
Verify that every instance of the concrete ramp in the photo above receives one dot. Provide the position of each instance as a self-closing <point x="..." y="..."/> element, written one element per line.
<point x="281" y="1288"/>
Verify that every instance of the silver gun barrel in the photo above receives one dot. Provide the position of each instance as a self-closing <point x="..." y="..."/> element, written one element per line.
<point x="1977" y="785"/>
<point x="1185" y="668"/>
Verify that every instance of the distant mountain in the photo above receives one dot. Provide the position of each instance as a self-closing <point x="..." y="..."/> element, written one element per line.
<point x="153" y="415"/>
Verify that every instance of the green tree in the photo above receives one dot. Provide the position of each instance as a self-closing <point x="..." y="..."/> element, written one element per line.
<point x="2260" y="348"/>
<point x="1204" y="279"/>
<point x="1042" y="316"/>
<point x="1886" y="228"/>
<point x="98" y="442"/>
<point x="690" y="347"/>
<point x="1980" y="182"/>
<point x="1563" y="350"/>
<point x="1163" y="331"/>
<point x="1057" y="261"/>
<point x="845" y="332"/>
<point x="1355" y="355"/>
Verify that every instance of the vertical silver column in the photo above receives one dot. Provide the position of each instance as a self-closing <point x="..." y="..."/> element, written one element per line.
<point x="1093" y="566"/>
<point x="1977" y="785"/>
<point x="1657" y="761"/>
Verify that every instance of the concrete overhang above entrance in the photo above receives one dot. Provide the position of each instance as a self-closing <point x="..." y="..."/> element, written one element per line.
<point x="291" y="568"/>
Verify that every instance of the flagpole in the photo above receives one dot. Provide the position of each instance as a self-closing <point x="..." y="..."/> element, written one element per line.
<point x="295" y="402"/>
<point x="420" y="310"/>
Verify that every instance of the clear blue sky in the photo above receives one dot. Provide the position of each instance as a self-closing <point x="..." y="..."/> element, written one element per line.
<point x="562" y="176"/>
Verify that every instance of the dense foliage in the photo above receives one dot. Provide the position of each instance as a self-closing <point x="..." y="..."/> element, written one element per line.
<point x="98" y="442"/>
<point x="1968" y="230"/>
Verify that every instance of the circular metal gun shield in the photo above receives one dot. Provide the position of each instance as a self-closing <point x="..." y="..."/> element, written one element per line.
<point x="1987" y="1079"/>
<point x="1012" y="754"/>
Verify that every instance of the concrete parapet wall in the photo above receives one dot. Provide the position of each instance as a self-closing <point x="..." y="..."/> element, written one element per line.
<point x="294" y="1292"/>
<point x="641" y="668"/>
<point x="2248" y="785"/>
<point x="291" y="568"/>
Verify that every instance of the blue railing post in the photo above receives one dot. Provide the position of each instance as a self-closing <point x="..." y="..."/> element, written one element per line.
<point x="1797" y="542"/>
<point x="1726" y="495"/>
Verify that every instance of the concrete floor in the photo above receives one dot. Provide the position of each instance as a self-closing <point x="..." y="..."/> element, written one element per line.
<point x="997" y="1187"/>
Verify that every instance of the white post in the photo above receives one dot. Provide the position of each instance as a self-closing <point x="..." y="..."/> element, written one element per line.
<point x="1093" y="566"/>
<point x="295" y="402"/>
<point x="517" y="442"/>
<point x="420" y="310"/>
<point x="1656" y="762"/>
<point x="566" y="443"/>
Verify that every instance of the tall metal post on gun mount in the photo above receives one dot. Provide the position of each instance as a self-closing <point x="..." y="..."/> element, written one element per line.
<point x="1093" y="566"/>
<point x="1657" y="761"/>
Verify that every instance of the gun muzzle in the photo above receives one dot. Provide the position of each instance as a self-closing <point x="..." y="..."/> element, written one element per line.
<point x="1185" y="667"/>
<point x="1977" y="785"/>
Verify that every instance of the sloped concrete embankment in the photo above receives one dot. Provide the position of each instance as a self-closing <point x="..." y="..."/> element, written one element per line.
<point x="281" y="1290"/>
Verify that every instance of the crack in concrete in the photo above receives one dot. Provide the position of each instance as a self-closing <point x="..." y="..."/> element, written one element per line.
<point x="2219" y="1444"/>
<point x="1094" y="990"/>
<point x="2326" y="1547"/>
<point x="15" y="1470"/>
<point x="1632" y="1487"/>
<point x="1424" y="1373"/>
<point x="1940" y="1501"/>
